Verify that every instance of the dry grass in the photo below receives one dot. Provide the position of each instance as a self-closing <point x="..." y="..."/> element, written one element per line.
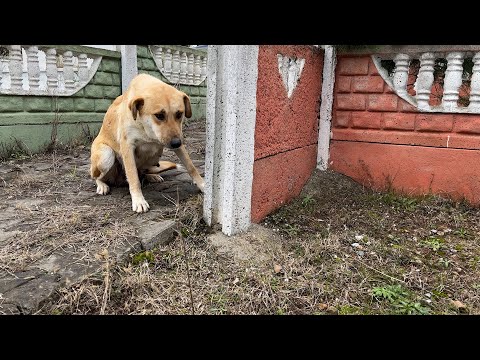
<point x="414" y="256"/>
<point x="342" y="249"/>
<point x="74" y="229"/>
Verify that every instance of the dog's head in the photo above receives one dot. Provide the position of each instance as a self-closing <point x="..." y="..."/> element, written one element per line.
<point x="161" y="108"/>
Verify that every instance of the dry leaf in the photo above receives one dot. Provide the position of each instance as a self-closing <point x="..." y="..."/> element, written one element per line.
<point x="461" y="307"/>
<point x="322" y="306"/>
<point x="277" y="268"/>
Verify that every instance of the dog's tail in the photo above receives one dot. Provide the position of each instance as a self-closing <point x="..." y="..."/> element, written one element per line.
<point x="166" y="165"/>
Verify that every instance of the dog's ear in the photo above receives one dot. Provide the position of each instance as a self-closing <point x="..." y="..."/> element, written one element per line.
<point x="135" y="106"/>
<point x="188" y="108"/>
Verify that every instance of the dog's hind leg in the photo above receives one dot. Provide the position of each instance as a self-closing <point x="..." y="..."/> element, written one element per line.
<point x="151" y="173"/>
<point x="162" y="166"/>
<point x="102" y="161"/>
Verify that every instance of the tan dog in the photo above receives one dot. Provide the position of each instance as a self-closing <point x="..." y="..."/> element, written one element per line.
<point x="135" y="129"/>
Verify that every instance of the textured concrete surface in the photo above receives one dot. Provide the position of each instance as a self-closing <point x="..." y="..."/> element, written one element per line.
<point x="231" y="113"/>
<point x="379" y="138"/>
<point x="413" y="170"/>
<point x="280" y="178"/>
<point x="286" y="129"/>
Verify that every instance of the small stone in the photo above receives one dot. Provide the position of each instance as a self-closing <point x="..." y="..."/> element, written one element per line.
<point x="359" y="237"/>
<point x="331" y="310"/>
<point x="277" y="268"/>
<point x="428" y="301"/>
<point x="236" y="280"/>
<point x="428" y="295"/>
<point x="361" y="253"/>
<point x="355" y="245"/>
<point x="433" y="231"/>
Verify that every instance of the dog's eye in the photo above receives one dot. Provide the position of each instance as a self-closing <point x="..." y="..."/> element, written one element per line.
<point x="178" y="115"/>
<point x="160" y="116"/>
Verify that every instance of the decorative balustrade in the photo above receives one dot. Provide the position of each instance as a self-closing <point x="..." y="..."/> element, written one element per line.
<point x="180" y="64"/>
<point x="45" y="70"/>
<point x="433" y="78"/>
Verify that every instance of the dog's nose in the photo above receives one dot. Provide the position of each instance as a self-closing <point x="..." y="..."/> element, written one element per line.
<point x="175" y="143"/>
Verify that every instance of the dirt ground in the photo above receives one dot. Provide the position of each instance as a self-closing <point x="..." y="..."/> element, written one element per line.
<point x="49" y="207"/>
<point x="339" y="248"/>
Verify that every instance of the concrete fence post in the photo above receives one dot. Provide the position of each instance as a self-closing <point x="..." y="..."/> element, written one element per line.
<point x="129" y="64"/>
<point x="232" y="72"/>
<point x="324" y="127"/>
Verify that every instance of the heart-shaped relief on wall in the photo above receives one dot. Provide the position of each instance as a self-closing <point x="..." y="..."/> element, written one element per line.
<point x="290" y="70"/>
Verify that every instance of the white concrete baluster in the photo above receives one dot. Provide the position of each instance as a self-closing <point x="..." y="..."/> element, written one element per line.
<point x="197" y="70"/>
<point x="159" y="57"/>
<point x="475" y="84"/>
<point x="175" y="67"/>
<point x="203" y="72"/>
<point x="15" y="68"/>
<point x="183" y="67"/>
<point x="2" y="73"/>
<point x="400" y="76"/>
<point x="425" y="80"/>
<point x="33" y="68"/>
<point x="82" y="68"/>
<point x="453" y="80"/>
<point x="68" y="70"/>
<point x="52" y="71"/>
<point x="190" y="69"/>
<point x="168" y="64"/>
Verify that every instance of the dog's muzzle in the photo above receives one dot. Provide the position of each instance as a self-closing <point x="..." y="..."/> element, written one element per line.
<point x="175" y="143"/>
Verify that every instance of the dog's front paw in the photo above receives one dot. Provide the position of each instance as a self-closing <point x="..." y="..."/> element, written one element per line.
<point x="102" y="189"/>
<point x="200" y="184"/>
<point x="140" y="205"/>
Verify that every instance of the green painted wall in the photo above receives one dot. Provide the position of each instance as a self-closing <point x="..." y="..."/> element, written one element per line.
<point x="30" y="119"/>
<point x="198" y="94"/>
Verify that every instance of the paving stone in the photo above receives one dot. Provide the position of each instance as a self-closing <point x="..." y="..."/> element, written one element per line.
<point x="121" y="252"/>
<point x="9" y="282"/>
<point x="6" y="235"/>
<point x="9" y="309"/>
<point x="32" y="294"/>
<point x="69" y="269"/>
<point x="153" y="233"/>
